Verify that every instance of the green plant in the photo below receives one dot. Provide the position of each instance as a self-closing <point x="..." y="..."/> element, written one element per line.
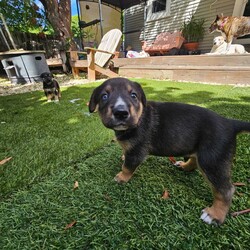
<point x="88" y="34"/>
<point x="75" y="26"/>
<point x="193" y="30"/>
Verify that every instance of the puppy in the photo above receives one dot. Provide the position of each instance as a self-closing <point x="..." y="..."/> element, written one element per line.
<point x="170" y="129"/>
<point x="51" y="87"/>
<point x="220" y="47"/>
<point x="230" y="27"/>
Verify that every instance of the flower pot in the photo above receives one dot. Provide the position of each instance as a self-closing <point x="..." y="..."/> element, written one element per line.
<point x="191" y="46"/>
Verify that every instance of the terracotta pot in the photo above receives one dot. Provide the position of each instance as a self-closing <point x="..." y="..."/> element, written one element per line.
<point x="191" y="46"/>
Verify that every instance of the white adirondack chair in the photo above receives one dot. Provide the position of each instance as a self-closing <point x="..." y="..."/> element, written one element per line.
<point x="98" y="58"/>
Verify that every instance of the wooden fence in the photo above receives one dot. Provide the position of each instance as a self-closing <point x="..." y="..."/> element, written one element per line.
<point x="29" y="41"/>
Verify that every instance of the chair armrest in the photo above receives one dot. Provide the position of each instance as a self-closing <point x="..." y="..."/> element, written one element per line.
<point x="82" y="52"/>
<point x="74" y="55"/>
<point x="99" y="50"/>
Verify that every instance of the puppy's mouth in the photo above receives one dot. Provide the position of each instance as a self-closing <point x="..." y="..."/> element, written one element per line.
<point x="211" y="30"/>
<point x="120" y="127"/>
<point x="121" y="124"/>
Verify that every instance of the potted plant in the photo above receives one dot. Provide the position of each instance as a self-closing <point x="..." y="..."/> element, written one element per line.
<point x="193" y="31"/>
<point x="88" y="36"/>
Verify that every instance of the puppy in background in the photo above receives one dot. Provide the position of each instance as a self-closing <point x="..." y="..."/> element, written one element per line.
<point x="51" y="87"/>
<point x="220" y="47"/>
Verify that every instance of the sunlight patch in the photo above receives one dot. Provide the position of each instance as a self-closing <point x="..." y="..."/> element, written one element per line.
<point x="73" y="121"/>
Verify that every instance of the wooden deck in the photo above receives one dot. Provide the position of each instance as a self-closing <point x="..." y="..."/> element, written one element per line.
<point x="225" y="69"/>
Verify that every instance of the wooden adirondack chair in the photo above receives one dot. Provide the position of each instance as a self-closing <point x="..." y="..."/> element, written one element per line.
<point x="98" y="58"/>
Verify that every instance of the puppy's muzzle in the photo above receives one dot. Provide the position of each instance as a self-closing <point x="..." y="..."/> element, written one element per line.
<point x="121" y="112"/>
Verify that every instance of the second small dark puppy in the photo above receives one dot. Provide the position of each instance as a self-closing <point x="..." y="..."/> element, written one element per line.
<point x="171" y="129"/>
<point x="51" y="87"/>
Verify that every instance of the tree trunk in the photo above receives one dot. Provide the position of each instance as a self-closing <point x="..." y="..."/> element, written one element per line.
<point x="58" y="13"/>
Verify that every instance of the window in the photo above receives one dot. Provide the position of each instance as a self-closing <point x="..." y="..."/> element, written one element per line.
<point x="158" y="5"/>
<point x="158" y="9"/>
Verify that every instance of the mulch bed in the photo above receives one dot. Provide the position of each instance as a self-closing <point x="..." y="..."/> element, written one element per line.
<point x="8" y="88"/>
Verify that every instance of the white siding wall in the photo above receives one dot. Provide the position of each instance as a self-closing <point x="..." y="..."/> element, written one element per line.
<point x="133" y="20"/>
<point x="180" y="12"/>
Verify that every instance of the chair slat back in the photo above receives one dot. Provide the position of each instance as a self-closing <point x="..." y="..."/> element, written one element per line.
<point x="108" y="43"/>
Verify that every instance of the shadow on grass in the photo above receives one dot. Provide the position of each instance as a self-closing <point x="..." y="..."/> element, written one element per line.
<point x="112" y="216"/>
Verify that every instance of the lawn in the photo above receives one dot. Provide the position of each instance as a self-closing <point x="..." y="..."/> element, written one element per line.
<point x="54" y="145"/>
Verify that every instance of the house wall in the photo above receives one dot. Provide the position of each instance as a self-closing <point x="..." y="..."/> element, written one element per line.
<point x="180" y="11"/>
<point x="133" y="23"/>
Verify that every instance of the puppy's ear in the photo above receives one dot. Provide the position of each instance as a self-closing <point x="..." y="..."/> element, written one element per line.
<point x="142" y="94"/>
<point x="93" y="101"/>
<point x="143" y="99"/>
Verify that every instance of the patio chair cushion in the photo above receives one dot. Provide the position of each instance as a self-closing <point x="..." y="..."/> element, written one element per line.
<point x="164" y="42"/>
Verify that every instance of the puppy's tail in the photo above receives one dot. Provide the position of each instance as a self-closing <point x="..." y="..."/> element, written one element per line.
<point x="241" y="126"/>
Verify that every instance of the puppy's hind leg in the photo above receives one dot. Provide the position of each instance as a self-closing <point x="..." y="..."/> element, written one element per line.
<point x="217" y="171"/>
<point x="189" y="165"/>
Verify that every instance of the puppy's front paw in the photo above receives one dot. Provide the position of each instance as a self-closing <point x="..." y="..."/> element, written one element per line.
<point x="206" y="217"/>
<point x="209" y="219"/>
<point x="122" y="177"/>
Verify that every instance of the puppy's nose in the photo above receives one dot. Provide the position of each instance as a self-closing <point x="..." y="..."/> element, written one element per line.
<point x="121" y="112"/>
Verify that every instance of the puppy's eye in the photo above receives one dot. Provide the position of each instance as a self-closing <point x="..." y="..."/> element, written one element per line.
<point x="105" y="97"/>
<point x="133" y="95"/>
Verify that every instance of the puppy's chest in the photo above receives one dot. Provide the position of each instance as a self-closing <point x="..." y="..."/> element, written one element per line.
<point x="49" y="85"/>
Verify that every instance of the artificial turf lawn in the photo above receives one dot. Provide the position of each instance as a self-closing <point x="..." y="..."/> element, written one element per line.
<point x="53" y="145"/>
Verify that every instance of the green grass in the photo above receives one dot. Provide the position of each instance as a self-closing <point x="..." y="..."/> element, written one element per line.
<point x="53" y="145"/>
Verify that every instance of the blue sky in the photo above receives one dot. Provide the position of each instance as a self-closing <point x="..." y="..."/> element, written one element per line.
<point x="73" y="6"/>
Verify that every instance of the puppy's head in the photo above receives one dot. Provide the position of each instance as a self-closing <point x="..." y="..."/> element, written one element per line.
<point x="46" y="76"/>
<point x="218" y="40"/>
<point x="215" y="24"/>
<point x="120" y="103"/>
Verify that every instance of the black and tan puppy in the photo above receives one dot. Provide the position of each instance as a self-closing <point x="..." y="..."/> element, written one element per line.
<point x="170" y="129"/>
<point x="51" y="87"/>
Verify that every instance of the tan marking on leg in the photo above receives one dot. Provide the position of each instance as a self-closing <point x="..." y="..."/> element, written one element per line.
<point x="124" y="176"/>
<point x="49" y="97"/>
<point x="189" y="165"/>
<point x="56" y="98"/>
<point x="220" y="207"/>
<point x="221" y="203"/>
